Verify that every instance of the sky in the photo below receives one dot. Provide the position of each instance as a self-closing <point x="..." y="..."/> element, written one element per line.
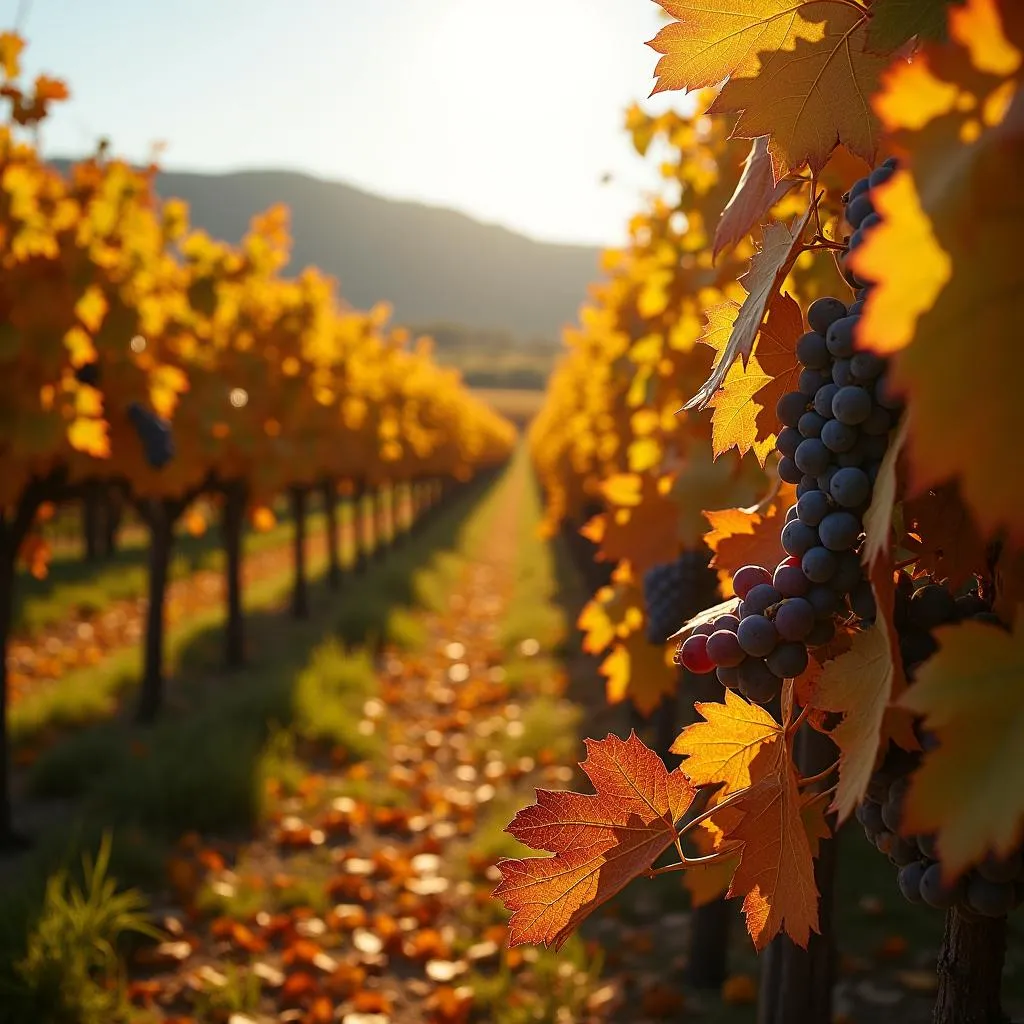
<point x="511" y="112"/>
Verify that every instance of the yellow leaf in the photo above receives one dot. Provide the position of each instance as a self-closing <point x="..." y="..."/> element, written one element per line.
<point x="89" y="436"/>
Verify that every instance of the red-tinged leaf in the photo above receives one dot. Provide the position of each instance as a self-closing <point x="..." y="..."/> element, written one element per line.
<point x="860" y="685"/>
<point x="756" y="193"/>
<point x="600" y="841"/>
<point x="768" y="269"/>
<point x="775" y="876"/>
<point x="723" y="748"/>
<point x="951" y="547"/>
<point x="969" y="789"/>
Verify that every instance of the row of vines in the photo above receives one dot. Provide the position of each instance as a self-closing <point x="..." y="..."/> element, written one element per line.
<point x="141" y="355"/>
<point x="801" y="372"/>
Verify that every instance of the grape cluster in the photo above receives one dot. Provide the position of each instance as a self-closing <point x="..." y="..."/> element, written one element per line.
<point x="674" y="591"/>
<point x="994" y="887"/>
<point x="155" y="434"/>
<point x="835" y="432"/>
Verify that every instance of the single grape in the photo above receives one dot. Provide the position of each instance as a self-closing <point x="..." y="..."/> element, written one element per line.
<point x="884" y="841"/>
<point x="1001" y="870"/>
<point x="729" y="622"/>
<point x="839" y="531"/>
<point x="787" y="441"/>
<point x="990" y="899"/>
<point x="825" y="479"/>
<point x="890" y="161"/>
<point x="761" y="597"/>
<point x="790" y="581"/>
<point x="858" y="209"/>
<point x="819" y="564"/>
<point x="866" y="365"/>
<point x="812" y="351"/>
<point x="854" y="457"/>
<point x="705" y="629"/>
<point x="810" y="424"/>
<point x="892" y="809"/>
<point x="860" y="186"/>
<point x="932" y="605"/>
<point x="747" y="577"/>
<point x="822" y="313"/>
<point x="878" y="423"/>
<point x="790" y="407"/>
<point x="927" y="845"/>
<point x="824" y="632"/>
<point x="870" y="221"/>
<point x="794" y="618"/>
<point x="757" y="681"/>
<point x="824" y="599"/>
<point x="823" y="400"/>
<point x="862" y="601"/>
<point x="936" y="893"/>
<point x="807" y="483"/>
<point x="878" y="791"/>
<point x="788" y="660"/>
<point x="869" y="814"/>
<point x="850" y="487"/>
<point x="916" y="647"/>
<point x="851" y="405"/>
<point x="791" y="514"/>
<point x="728" y="676"/>
<point x="848" y="573"/>
<point x="856" y="308"/>
<point x="810" y="380"/>
<point x="694" y="655"/>
<point x="842" y="375"/>
<point x="813" y="507"/>
<point x="812" y="456"/>
<point x="909" y="880"/>
<point x="724" y="649"/>
<point x="757" y="635"/>
<point x="838" y="437"/>
<point x="839" y="339"/>
<point x="966" y="604"/>
<point x="902" y="852"/>
<point x="798" y="538"/>
<point x="880" y="175"/>
<point x="789" y="472"/>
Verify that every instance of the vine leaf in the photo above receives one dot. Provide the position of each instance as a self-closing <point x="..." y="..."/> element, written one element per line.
<point x="748" y="536"/>
<point x="756" y="193"/>
<point x="780" y="247"/>
<point x="726" y="607"/>
<point x="878" y="518"/>
<point x="744" y="415"/>
<point x="611" y="614"/>
<point x="968" y="788"/>
<point x="601" y="841"/>
<point x="723" y="747"/>
<point x="639" y="671"/>
<point x="798" y="72"/>
<point x="951" y="547"/>
<point x="958" y="112"/>
<point x="895" y="22"/>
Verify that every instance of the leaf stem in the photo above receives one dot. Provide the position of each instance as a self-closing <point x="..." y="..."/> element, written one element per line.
<point x="821" y="775"/>
<point x="730" y="799"/>
<point x="692" y="862"/>
<point x="799" y="720"/>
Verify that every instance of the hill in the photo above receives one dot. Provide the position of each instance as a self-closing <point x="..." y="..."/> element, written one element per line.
<point x="434" y="265"/>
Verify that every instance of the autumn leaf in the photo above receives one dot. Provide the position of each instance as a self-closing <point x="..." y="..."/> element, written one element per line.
<point x="756" y="193"/>
<point x="611" y="614"/>
<point x="710" y="880"/>
<point x="726" y="607"/>
<point x="771" y="263"/>
<point x="951" y="547"/>
<point x="600" y="841"/>
<point x="895" y="22"/>
<point x="750" y="536"/>
<point x="798" y="72"/>
<point x="968" y="789"/>
<point x="640" y="671"/>
<point x="878" y="518"/>
<point x="722" y="748"/>
<point x="940" y="260"/>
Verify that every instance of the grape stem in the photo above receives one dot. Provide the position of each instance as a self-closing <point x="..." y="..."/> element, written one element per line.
<point x="703" y="816"/>
<point x="798" y="721"/>
<point x="690" y="862"/>
<point x="821" y="244"/>
<point x="821" y="775"/>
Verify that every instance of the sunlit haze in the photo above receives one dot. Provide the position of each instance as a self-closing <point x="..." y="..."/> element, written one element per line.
<point x="510" y="112"/>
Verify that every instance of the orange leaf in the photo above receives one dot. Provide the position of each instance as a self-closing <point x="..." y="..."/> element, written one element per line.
<point x="968" y="789"/>
<point x="600" y="841"/>
<point x="640" y="671"/>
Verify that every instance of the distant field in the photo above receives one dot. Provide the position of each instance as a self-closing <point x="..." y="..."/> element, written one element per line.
<point x="519" y="405"/>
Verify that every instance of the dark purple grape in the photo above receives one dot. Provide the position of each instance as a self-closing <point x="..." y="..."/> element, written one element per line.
<point x="757" y="635"/>
<point x="705" y="629"/>
<point x="866" y="366"/>
<point x="839" y="339"/>
<point x="932" y="606"/>
<point x="759" y="598"/>
<point x="794" y="618"/>
<point x="990" y="899"/>
<point x="812" y="507"/>
<point x="860" y="186"/>
<point x="823" y="401"/>
<point x="838" y="437"/>
<point x="838" y="531"/>
<point x="788" y="660"/>
<point x="967" y="605"/>
<point x="728" y="676"/>
<point x="791" y="514"/>
<point x="892" y="809"/>
<point x="812" y="352"/>
<point x="880" y="175"/>
<point x="746" y="577"/>
<point x="875" y="445"/>
<point x="938" y="894"/>
<point x="824" y="632"/>
<point x="729" y="622"/>
<point x="789" y="472"/>
<point x="825" y="479"/>
<point x="810" y="380"/>
<point x="807" y="483"/>
<point x="848" y="572"/>
<point x="812" y="456"/>
<point x="902" y="852"/>
<point x="915" y="647"/>
<point x="842" y="375"/>
<point x="850" y="487"/>
<point x="819" y="564"/>
<point x="854" y="457"/>
<point x="810" y="424"/>
<point x="790" y="407"/>
<point x="862" y="601"/>
<point x="856" y="308"/>
<point x="790" y="581"/>
<point x="824" y="599"/>
<point x="869" y="814"/>
<point x="724" y="649"/>
<point x="851" y="405"/>
<point x="909" y="880"/>
<point x="879" y="423"/>
<point x="927" y="845"/>
<point x="1001" y="870"/>
<point x="787" y="441"/>
<point x="757" y="681"/>
<point x="822" y="313"/>
<point x="858" y="209"/>
<point x="798" y="537"/>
